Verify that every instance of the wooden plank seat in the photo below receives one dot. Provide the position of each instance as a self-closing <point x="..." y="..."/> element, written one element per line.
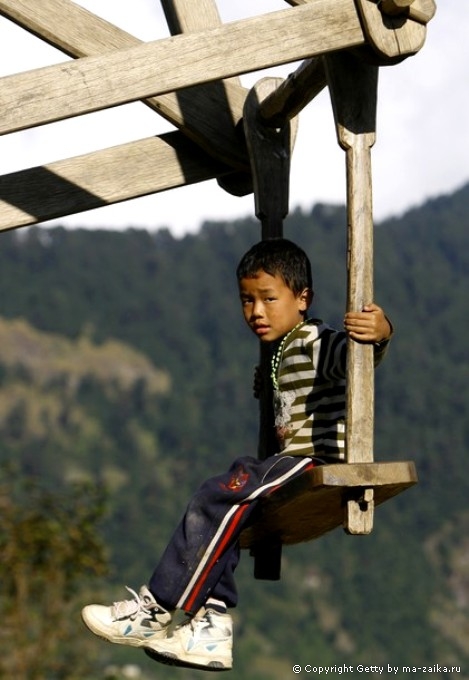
<point x="314" y="503"/>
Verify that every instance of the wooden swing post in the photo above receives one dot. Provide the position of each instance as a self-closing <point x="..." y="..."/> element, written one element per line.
<point x="353" y="86"/>
<point x="191" y="79"/>
<point x="270" y="154"/>
<point x="344" y="494"/>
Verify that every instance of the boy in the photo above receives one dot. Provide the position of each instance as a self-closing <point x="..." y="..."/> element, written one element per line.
<point x="195" y="573"/>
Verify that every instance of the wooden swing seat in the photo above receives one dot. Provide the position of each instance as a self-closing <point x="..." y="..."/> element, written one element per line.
<point x="314" y="503"/>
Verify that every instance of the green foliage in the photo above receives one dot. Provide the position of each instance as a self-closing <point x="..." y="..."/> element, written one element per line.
<point x="97" y="306"/>
<point x="50" y="547"/>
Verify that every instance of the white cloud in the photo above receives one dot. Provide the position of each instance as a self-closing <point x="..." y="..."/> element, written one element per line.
<point x="421" y="150"/>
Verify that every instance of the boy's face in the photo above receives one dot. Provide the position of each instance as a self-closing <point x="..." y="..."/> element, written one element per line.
<point x="270" y="307"/>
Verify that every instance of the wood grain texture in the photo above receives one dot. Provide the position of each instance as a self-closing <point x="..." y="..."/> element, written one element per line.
<point x="270" y="152"/>
<point x="187" y="16"/>
<point x="353" y="87"/>
<point x="313" y="503"/>
<point x="392" y="37"/>
<point x="80" y="33"/>
<point x="294" y="93"/>
<point x="93" y="83"/>
<point x="102" y="178"/>
<point x="216" y="100"/>
<point x="418" y="10"/>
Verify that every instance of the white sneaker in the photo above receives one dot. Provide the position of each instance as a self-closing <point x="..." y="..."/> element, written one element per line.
<point x="204" y="641"/>
<point x="130" y="622"/>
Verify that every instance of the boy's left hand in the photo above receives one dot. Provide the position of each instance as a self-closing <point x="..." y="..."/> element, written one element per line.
<point x="370" y="325"/>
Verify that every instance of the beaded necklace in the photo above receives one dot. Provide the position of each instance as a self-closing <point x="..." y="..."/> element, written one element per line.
<point x="276" y="359"/>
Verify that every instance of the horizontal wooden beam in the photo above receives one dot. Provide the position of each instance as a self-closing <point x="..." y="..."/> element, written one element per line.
<point x="102" y="178"/>
<point x="93" y="83"/>
<point x="206" y="114"/>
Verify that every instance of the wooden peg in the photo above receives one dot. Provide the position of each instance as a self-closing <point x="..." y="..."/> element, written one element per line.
<point x="395" y="6"/>
<point x="391" y="37"/>
<point x="418" y="10"/>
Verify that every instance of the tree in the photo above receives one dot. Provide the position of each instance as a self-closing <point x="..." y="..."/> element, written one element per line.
<point x="49" y="543"/>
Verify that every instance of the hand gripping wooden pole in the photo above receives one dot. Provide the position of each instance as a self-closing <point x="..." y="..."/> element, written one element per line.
<point x="353" y="87"/>
<point x="329" y="496"/>
<point x="269" y="152"/>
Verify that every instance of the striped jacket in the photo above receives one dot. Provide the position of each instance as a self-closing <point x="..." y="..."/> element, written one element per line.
<point x="309" y="402"/>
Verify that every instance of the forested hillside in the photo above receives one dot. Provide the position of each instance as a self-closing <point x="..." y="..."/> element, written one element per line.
<point x="126" y="378"/>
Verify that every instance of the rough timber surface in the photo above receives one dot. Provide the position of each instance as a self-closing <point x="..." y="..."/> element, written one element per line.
<point x="313" y="503"/>
<point x="392" y="37"/>
<point x="146" y="166"/>
<point x="96" y="82"/>
<point x="206" y="114"/>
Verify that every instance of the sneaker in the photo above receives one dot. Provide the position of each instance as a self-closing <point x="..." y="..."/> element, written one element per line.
<point x="204" y="641"/>
<point x="130" y="622"/>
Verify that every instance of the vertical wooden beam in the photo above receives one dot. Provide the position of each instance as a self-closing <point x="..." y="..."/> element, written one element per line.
<point x="353" y="86"/>
<point x="269" y="153"/>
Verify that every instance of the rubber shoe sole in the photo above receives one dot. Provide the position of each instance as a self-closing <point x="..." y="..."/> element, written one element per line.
<point x="170" y="659"/>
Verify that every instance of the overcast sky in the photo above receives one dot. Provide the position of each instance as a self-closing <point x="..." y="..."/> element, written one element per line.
<point x="422" y="147"/>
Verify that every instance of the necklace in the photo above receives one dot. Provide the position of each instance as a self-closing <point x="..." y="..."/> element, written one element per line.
<point x="276" y="359"/>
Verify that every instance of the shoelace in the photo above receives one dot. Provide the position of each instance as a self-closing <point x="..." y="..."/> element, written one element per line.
<point x="130" y="608"/>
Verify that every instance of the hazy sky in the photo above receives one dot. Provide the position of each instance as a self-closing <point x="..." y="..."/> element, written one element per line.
<point x="422" y="147"/>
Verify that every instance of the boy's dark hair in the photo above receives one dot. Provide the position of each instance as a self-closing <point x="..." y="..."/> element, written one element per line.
<point x="281" y="257"/>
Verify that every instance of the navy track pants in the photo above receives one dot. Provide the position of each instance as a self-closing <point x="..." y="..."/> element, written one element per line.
<point x="203" y="552"/>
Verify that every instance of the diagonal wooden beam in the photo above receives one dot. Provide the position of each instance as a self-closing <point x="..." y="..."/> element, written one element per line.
<point x="79" y="33"/>
<point x="93" y="83"/>
<point x="294" y="93"/>
<point x="190" y="16"/>
<point x="102" y="178"/>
